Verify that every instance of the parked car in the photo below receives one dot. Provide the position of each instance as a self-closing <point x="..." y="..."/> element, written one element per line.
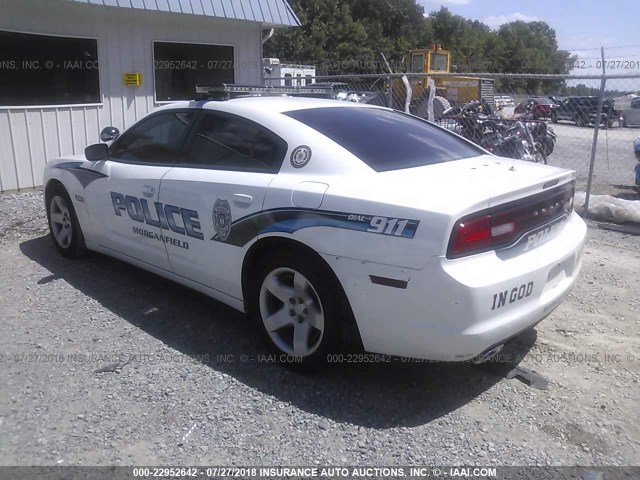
<point x="584" y="110"/>
<point x="539" y="107"/>
<point x="631" y="117"/>
<point x="329" y="223"/>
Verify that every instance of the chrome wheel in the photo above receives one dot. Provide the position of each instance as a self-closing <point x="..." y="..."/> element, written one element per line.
<point x="291" y="312"/>
<point x="61" y="226"/>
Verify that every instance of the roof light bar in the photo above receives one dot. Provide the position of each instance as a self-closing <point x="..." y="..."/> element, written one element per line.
<point x="224" y="90"/>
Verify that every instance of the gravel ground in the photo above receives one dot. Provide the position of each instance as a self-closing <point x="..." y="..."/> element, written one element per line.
<point x="613" y="173"/>
<point x="176" y="397"/>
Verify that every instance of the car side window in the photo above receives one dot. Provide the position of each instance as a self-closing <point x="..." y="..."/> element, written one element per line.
<point x="157" y="139"/>
<point x="229" y="142"/>
<point x="635" y="104"/>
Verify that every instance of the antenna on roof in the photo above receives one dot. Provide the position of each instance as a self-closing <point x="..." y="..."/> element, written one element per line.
<point x="225" y="91"/>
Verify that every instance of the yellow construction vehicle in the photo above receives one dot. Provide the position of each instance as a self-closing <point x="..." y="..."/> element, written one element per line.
<point x="449" y="89"/>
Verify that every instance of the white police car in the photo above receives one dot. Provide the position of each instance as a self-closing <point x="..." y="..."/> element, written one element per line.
<point x="328" y="222"/>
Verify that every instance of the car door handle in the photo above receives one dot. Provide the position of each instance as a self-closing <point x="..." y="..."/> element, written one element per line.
<point x="242" y="199"/>
<point x="148" y="191"/>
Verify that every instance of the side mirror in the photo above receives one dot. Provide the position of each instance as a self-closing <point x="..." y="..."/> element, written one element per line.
<point x="109" y="133"/>
<point x="97" y="151"/>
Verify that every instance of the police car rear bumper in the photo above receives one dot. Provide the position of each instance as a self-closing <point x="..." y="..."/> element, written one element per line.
<point x="454" y="310"/>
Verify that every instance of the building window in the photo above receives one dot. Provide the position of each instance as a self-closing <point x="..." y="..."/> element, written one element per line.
<point x="48" y="70"/>
<point x="287" y="79"/>
<point x="179" y="67"/>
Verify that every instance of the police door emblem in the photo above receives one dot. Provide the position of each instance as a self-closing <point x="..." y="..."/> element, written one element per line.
<point x="300" y="156"/>
<point x="222" y="219"/>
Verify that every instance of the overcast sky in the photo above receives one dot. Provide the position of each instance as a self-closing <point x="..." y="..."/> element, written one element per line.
<point x="579" y="25"/>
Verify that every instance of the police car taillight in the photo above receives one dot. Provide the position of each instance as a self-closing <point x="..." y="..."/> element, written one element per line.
<point x="471" y="235"/>
<point x="504" y="225"/>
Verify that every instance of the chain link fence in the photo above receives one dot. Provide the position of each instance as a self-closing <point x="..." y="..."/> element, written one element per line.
<point x="599" y="127"/>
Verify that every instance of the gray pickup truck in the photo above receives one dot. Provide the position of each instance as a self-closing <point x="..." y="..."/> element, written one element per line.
<point x="583" y="111"/>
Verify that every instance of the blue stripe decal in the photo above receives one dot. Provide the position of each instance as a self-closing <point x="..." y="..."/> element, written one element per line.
<point x="84" y="175"/>
<point x="290" y="220"/>
<point x="294" y="224"/>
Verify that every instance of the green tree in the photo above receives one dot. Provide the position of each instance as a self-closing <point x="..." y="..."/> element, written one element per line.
<point x="347" y="36"/>
<point x="531" y="47"/>
<point x="466" y="39"/>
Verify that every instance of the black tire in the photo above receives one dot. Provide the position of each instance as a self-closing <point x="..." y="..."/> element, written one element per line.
<point x="548" y="145"/>
<point x="440" y="105"/>
<point x="554" y="117"/>
<point x="74" y="246"/>
<point x="539" y="155"/>
<point x="325" y="295"/>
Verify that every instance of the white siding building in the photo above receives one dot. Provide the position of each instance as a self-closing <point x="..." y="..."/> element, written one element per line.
<point x="68" y="68"/>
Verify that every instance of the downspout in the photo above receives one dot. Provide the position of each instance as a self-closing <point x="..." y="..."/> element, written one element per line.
<point x="268" y="35"/>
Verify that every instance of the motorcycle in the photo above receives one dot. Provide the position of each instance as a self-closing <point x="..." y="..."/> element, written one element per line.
<point x="516" y="141"/>
<point x="521" y="139"/>
<point x="542" y="133"/>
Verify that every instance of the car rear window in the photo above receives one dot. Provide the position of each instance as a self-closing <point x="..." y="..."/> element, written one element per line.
<point x="384" y="139"/>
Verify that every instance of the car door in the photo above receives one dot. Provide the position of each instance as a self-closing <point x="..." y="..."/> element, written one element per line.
<point x="229" y="162"/>
<point x="566" y="110"/>
<point x="124" y="206"/>
<point x="584" y="108"/>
